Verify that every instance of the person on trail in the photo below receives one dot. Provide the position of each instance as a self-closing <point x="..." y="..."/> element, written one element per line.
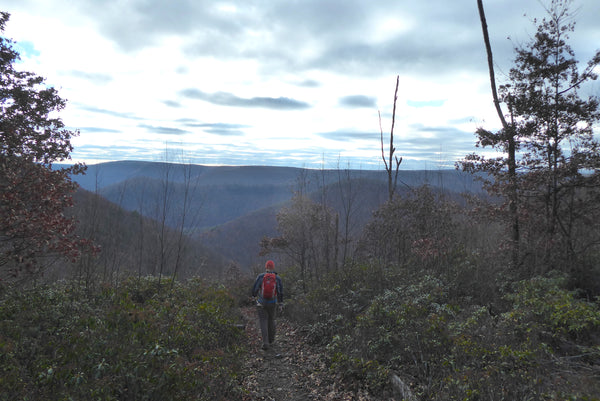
<point x="269" y="289"/>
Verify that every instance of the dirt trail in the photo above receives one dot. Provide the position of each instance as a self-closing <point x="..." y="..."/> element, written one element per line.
<point x="290" y="370"/>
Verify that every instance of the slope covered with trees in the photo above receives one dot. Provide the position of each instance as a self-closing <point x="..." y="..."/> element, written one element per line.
<point x="129" y="243"/>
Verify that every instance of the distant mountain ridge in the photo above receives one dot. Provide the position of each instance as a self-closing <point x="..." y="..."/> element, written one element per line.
<point x="106" y="174"/>
<point x="232" y="207"/>
<point x="102" y="175"/>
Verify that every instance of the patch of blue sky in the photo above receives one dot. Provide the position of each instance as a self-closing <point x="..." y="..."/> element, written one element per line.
<point x="26" y="50"/>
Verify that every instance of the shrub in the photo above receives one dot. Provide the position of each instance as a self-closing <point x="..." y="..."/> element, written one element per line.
<point x="543" y="347"/>
<point x="375" y="322"/>
<point x="136" y="341"/>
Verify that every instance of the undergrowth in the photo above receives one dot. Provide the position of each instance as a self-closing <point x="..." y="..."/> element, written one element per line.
<point x="137" y="341"/>
<point x="377" y="323"/>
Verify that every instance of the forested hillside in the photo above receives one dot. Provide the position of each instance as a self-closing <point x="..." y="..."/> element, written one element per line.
<point x="128" y="243"/>
<point x="231" y="209"/>
<point x="221" y="194"/>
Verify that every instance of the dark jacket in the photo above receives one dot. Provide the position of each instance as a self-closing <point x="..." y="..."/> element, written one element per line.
<point x="258" y="283"/>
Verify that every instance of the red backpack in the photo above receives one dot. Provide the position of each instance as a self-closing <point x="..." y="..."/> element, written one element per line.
<point x="269" y="286"/>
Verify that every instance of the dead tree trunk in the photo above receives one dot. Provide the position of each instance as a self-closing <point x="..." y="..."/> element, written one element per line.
<point x="391" y="158"/>
<point x="509" y="134"/>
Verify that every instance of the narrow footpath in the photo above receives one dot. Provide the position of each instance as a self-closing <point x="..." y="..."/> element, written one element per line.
<point x="290" y="370"/>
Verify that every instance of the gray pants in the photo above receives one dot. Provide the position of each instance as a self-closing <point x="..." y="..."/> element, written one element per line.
<point x="266" y="320"/>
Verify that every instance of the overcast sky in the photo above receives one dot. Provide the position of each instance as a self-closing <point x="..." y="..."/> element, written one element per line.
<point x="277" y="82"/>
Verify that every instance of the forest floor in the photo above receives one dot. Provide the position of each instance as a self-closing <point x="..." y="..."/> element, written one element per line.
<point x="291" y="370"/>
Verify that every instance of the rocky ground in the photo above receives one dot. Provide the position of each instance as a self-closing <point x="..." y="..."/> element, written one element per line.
<point x="291" y="370"/>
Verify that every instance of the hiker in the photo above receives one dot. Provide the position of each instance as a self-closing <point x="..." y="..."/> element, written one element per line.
<point x="269" y="289"/>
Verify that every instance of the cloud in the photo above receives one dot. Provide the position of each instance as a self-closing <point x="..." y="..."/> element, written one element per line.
<point x="113" y="113"/>
<point x="221" y="129"/>
<point x="224" y="132"/>
<point x="108" y="153"/>
<point x="357" y="101"/>
<point x="97" y="78"/>
<point x="163" y="130"/>
<point x="449" y="140"/>
<point x="462" y="120"/>
<point x="193" y="123"/>
<point x="299" y="36"/>
<point x="236" y="50"/>
<point x="171" y="103"/>
<point x="228" y="99"/>
<point x="309" y="83"/>
<point x="344" y="136"/>
<point x="433" y="37"/>
<point x="94" y="130"/>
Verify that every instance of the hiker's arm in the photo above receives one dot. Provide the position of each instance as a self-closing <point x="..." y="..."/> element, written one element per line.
<point x="279" y="290"/>
<point x="256" y="286"/>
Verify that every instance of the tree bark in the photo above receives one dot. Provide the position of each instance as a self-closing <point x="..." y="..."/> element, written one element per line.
<point x="509" y="133"/>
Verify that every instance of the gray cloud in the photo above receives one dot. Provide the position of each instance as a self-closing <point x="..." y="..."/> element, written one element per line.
<point x="113" y="113"/>
<point x="225" y="132"/>
<point x="447" y="37"/>
<point x="357" y="101"/>
<point x="309" y="83"/>
<point x="171" y="103"/>
<point x="156" y="18"/>
<point x="163" y="130"/>
<point x="93" y="130"/>
<point x="96" y="152"/>
<point x="228" y="99"/>
<point x="194" y="124"/>
<point x="221" y="129"/>
<point x="449" y="140"/>
<point x="292" y="41"/>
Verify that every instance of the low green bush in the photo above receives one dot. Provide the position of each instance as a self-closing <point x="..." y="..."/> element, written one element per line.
<point x="138" y="341"/>
<point x="543" y="344"/>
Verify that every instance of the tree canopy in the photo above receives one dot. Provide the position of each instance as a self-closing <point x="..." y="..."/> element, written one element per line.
<point x="553" y="185"/>
<point x="33" y="192"/>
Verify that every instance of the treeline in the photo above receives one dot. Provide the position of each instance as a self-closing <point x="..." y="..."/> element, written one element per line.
<point x="131" y="244"/>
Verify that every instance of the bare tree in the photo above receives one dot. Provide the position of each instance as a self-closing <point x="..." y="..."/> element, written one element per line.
<point x="187" y="216"/>
<point x="389" y="163"/>
<point x="328" y="241"/>
<point x="349" y="191"/>
<point x="162" y="211"/>
<point x="304" y="227"/>
<point x="174" y="215"/>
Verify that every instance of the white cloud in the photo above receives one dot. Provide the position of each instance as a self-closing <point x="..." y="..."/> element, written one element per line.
<point x="268" y="82"/>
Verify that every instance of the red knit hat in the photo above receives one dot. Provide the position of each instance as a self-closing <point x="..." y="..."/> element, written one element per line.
<point x="270" y="265"/>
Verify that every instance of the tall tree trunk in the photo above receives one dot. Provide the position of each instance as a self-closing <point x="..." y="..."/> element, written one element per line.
<point x="509" y="132"/>
<point x="389" y="164"/>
